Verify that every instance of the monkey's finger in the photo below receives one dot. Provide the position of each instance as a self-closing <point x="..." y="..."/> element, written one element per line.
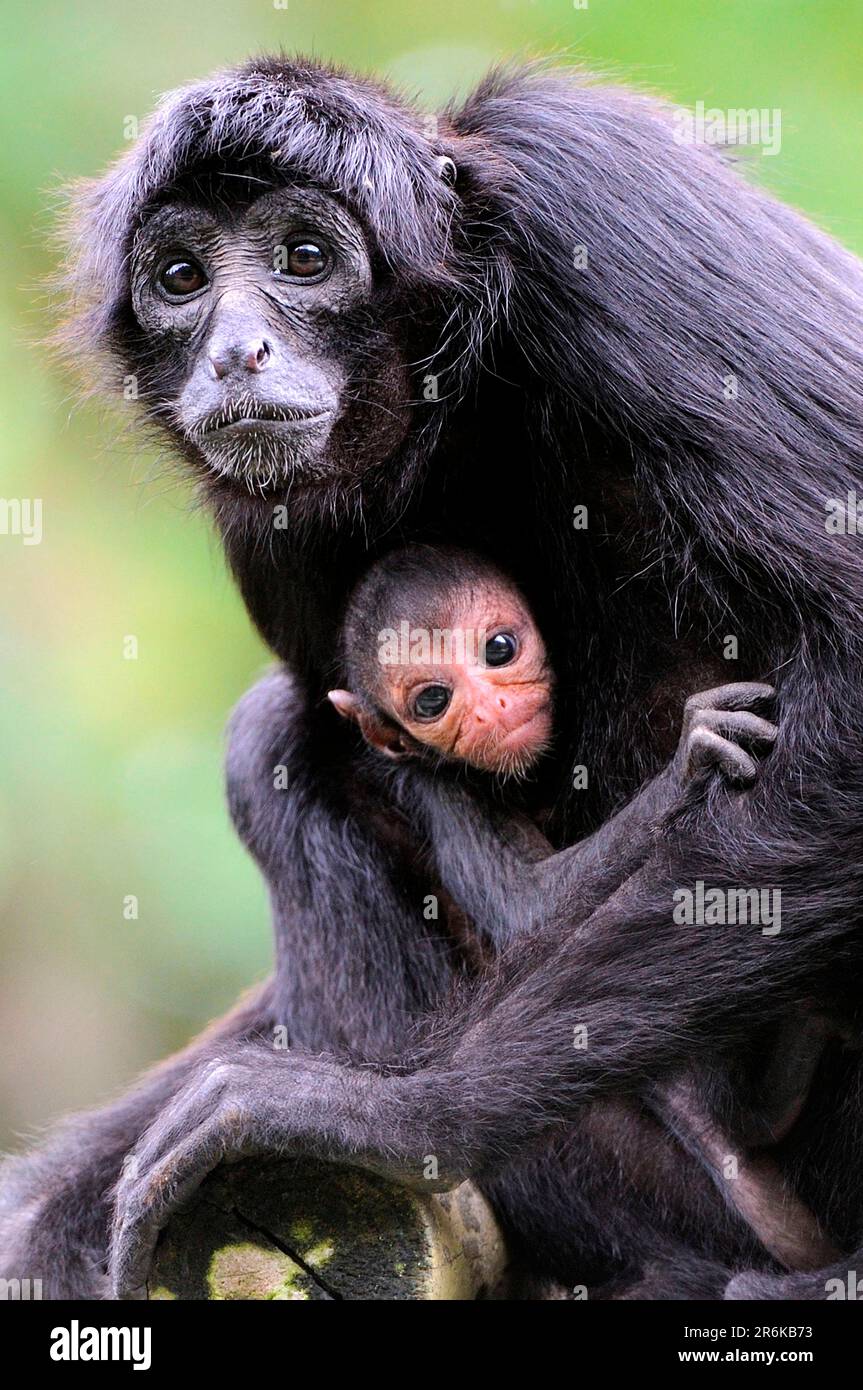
<point x="736" y="695"/>
<point x="740" y="725"/>
<point x="146" y="1206"/>
<point x="708" y="749"/>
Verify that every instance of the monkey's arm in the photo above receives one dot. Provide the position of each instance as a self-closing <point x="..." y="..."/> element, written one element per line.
<point x="355" y="957"/>
<point x="508" y="884"/>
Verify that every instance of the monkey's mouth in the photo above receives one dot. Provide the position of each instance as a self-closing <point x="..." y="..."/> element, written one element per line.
<point x="263" y="446"/>
<point x="264" y="417"/>
<point x="515" y="752"/>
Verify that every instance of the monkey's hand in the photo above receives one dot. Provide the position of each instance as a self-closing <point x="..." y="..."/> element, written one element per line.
<point x="251" y="1100"/>
<point x="723" y="732"/>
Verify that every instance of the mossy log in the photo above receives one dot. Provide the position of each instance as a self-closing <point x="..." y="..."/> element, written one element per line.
<point x="300" y="1230"/>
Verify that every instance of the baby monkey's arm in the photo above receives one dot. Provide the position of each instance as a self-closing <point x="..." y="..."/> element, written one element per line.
<point x="521" y="883"/>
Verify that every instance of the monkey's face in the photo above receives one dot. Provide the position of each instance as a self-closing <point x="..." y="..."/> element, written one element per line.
<point x="487" y="699"/>
<point x="265" y="351"/>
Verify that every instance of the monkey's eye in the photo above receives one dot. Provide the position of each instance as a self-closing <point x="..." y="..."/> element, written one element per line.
<point x="431" y="701"/>
<point x="180" y="278"/>
<point x="302" y="260"/>
<point x="500" y="650"/>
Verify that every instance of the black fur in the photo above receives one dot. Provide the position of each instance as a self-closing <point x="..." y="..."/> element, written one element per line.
<point x="558" y="386"/>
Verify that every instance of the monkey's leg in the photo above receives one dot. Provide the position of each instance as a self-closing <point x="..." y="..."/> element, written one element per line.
<point x="752" y="1184"/>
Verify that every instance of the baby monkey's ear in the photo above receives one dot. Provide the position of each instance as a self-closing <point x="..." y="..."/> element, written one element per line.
<point x="378" y="731"/>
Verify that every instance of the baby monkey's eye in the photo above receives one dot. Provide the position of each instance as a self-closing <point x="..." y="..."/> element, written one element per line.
<point x="431" y="702"/>
<point x="500" y="650"/>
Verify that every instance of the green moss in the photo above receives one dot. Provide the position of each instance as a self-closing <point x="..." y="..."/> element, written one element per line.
<point x="250" y="1272"/>
<point x="320" y="1254"/>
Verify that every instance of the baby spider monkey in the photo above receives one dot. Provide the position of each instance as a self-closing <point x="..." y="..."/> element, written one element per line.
<point x="443" y="656"/>
<point x="445" y="663"/>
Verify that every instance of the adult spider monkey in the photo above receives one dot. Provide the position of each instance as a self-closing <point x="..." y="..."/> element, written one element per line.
<point x="356" y="333"/>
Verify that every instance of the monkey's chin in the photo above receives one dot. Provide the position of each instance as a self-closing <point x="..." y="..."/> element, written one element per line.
<point x="517" y="754"/>
<point x="264" y="456"/>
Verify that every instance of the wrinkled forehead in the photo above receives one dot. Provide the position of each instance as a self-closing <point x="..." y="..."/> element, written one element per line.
<point x="252" y="208"/>
<point x="459" y="604"/>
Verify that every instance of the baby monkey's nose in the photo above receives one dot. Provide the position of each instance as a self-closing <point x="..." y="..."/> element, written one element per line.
<point x="481" y="717"/>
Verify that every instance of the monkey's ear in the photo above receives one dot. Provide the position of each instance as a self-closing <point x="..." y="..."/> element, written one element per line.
<point x="387" y="737"/>
<point x="446" y="169"/>
<point x="379" y="732"/>
<point x="347" y="704"/>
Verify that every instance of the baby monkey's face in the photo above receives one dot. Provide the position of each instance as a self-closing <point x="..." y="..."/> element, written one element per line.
<point x="476" y="685"/>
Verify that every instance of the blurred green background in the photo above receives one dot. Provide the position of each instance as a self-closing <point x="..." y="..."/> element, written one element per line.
<point x="110" y="769"/>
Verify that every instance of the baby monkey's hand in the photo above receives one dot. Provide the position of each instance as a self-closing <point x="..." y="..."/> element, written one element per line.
<point x="721" y="730"/>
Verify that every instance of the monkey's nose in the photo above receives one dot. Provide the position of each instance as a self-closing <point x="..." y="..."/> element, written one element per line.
<point x="251" y="357"/>
<point x="257" y="356"/>
<point x="482" y="718"/>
